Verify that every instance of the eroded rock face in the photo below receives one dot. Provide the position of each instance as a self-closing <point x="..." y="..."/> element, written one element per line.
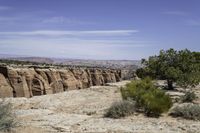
<point x="28" y="82"/>
<point x="5" y="88"/>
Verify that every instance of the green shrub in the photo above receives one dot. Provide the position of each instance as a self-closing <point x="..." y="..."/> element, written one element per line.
<point x="6" y="117"/>
<point x="156" y="102"/>
<point x="120" y="109"/>
<point x="187" y="111"/>
<point x="188" y="97"/>
<point x="136" y="89"/>
<point x="141" y="73"/>
<point x="148" y="97"/>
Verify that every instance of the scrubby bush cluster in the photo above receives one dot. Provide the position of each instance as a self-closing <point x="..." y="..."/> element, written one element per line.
<point x="120" y="109"/>
<point x="181" y="68"/>
<point x="6" y="117"/>
<point x="188" y="97"/>
<point x="187" y="111"/>
<point x="147" y="96"/>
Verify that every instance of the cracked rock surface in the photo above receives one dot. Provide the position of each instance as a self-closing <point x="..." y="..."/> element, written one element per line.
<point x="82" y="110"/>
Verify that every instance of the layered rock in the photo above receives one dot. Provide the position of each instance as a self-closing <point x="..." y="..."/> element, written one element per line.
<point x="28" y="82"/>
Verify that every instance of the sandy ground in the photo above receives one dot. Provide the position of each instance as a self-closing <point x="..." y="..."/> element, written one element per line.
<point x="79" y="111"/>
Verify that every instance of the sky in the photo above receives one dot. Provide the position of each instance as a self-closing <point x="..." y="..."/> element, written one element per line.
<point x="98" y="29"/>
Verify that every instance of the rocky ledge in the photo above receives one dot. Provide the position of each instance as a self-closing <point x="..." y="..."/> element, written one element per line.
<point x="34" y="81"/>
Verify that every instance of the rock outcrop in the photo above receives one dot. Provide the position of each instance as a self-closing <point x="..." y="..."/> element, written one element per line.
<point x="34" y="81"/>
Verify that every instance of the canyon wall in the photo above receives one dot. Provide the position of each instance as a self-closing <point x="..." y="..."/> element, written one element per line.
<point x="32" y="81"/>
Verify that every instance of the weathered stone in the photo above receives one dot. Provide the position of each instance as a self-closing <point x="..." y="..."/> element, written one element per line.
<point x="69" y="81"/>
<point x="97" y="77"/>
<point x="5" y="88"/>
<point x="28" y="82"/>
<point x="83" y="77"/>
<point x="18" y="82"/>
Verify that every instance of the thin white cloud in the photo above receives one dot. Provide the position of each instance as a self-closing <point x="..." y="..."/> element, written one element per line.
<point x="72" y="33"/>
<point x="8" y="19"/>
<point x="71" y="48"/>
<point x="176" y="13"/>
<point x="193" y="22"/>
<point x="5" y="8"/>
<point x="64" y="20"/>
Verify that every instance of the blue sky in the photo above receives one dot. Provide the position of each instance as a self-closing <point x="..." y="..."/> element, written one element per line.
<point x="98" y="29"/>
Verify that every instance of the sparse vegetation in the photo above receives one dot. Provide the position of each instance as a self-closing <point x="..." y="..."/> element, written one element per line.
<point x="6" y="117"/>
<point x="187" y="111"/>
<point x="148" y="97"/>
<point x="121" y="109"/>
<point x="188" y="97"/>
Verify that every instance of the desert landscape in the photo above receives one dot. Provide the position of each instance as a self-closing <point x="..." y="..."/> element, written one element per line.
<point x="76" y="99"/>
<point x="99" y="66"/>
<point x="83" y="111"/>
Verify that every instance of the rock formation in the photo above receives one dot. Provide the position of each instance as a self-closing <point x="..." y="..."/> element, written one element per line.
<point x="34" y="81"/>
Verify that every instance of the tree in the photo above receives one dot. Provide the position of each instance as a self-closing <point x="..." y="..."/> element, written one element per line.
<point x="182" y="67"/>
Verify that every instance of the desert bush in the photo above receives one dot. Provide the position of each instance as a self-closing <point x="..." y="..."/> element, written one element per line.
<point x="136" y="89"/>
<point x="156" y="102"/>
<point x="187" y="111"/>
<point x="6" y="117"/>
<point x="121" y="109"/>
<point x="188" y="97"/>
<point x="147" y="96"/>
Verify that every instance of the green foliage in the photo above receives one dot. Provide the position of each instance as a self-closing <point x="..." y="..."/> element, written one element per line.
<point x="141" y="73"/>
<point x="136" y="89"/>
<point x="188" y="97"/>
<point x="187" y="111"/>
<point x="147" y="96"/>
<point x="156" y="102"/>
<point x="120" y="109"/>
<point x="182" y="67"/>
<point x="6" y="117"/>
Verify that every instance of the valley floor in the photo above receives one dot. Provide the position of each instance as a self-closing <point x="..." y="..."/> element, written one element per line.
<point x="82" y="111"/>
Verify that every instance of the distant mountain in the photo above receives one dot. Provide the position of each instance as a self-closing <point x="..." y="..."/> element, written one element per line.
<point x="126" y="64"/>
<point x="4" y="56"/>
<point x="100" y="63"/>
<point x="34" y="59"/>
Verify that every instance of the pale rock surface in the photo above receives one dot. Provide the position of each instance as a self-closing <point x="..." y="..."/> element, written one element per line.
<point x="78" y="111"/>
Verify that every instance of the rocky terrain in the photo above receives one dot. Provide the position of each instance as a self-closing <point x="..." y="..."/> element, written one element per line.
<point x="28" y="81"/>
<point x="82" y="110"/>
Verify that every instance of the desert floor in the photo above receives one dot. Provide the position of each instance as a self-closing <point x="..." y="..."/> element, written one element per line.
<point x="82" y="111"/>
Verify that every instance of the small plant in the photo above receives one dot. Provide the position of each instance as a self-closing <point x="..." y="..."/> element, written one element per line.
<point x="155" y="103"/>
<point x="147" y="96"/>
<point x="188" y="97"/>
<point x="6" y="117"/>
<point x="120" y="109"/>
<point x="136" y="89"/>
<point x="187" y="111"/>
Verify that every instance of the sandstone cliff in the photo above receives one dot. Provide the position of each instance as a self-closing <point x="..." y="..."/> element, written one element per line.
<point x="32" y="81"/>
